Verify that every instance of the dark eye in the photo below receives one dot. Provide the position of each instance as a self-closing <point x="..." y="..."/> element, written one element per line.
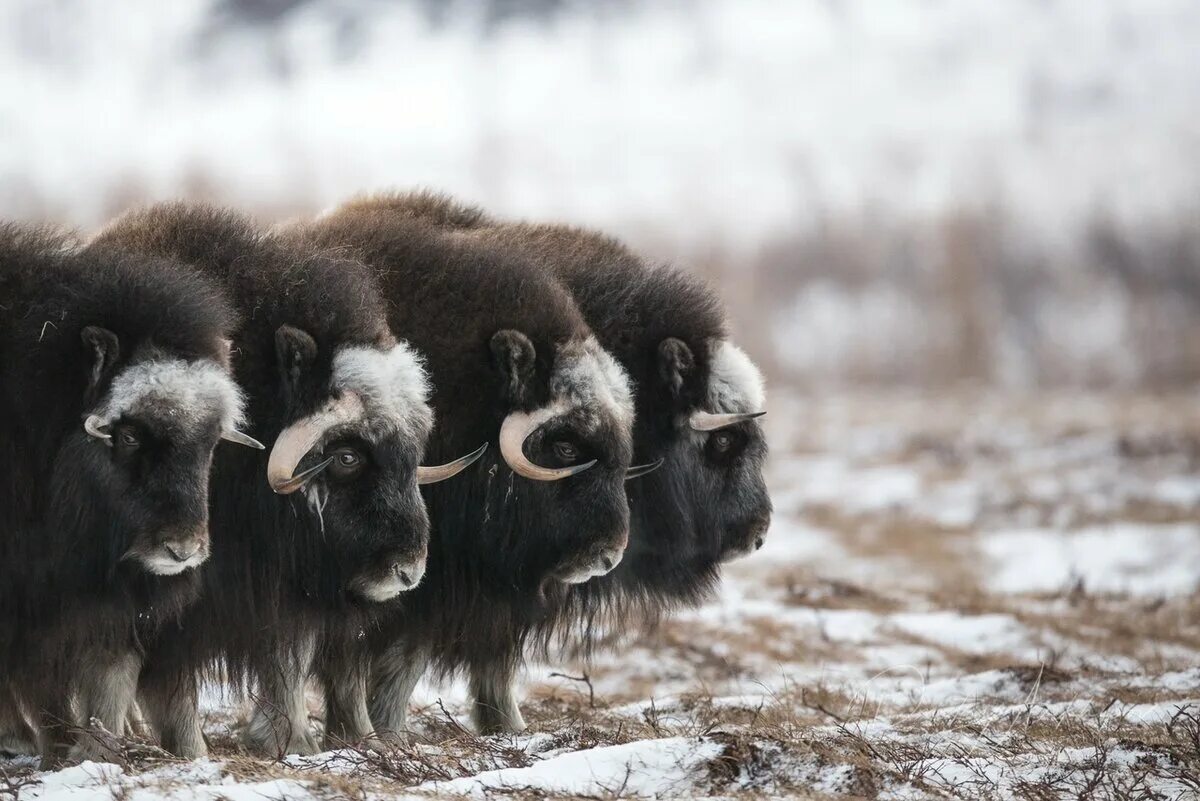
<point x="126" y="438"/>
<point x="347" y="462"/>
<point x="725" y="444"/>
<point x="566" y="451"/>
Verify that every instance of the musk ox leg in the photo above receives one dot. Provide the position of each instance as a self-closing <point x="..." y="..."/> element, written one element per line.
<point x="55" y="720"/>
<point x="495" y="709"/>
<point x="346" y="716"/>
<point x="279" y="725"/>
<point x="16" y="735"/>
<point x="138" y="726"/>
<point x="394" y="676"/>
<point x="170" y="700"/>
<point x="107" y="696"/>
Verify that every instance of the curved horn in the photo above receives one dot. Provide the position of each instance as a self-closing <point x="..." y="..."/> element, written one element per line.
<point x="640" y="470"/>
<point x="704" y="421"/>
<point x="288" y="486"/>
<point x="432" y="475"/>
<point x="513" y="433"/>
<point x="95" y="425"/>
<point x="295" y="441"/>
<point x="233" y="435"/>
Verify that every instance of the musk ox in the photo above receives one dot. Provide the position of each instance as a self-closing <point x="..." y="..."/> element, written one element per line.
<point x="312" y="539"/>
<point x="513" y="361"/>
<point x="114" y="391"/>
<point x="698" y="397"/>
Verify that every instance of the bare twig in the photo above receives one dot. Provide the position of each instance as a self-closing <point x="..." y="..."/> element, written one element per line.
<point x="586" y="680"/>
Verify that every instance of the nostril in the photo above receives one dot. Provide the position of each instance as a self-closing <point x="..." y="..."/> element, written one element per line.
<point x="181" y="553"/>
<point x="405" y="579"/>
<point x="607" y="562"/>
<point x="758" y="543"/>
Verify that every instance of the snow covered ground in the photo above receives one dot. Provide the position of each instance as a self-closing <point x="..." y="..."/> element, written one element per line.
<point x="962" y="596"/>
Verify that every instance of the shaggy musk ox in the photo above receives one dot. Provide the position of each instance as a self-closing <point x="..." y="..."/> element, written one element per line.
<point x="512" y="360"/>
<point x="114" y="391"/>
<point x="313" y="539"/>
<point x="698" y="396"/>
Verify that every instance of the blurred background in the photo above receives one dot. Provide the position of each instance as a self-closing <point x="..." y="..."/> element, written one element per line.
<point x="889" y="192"/>
<point x="962" y="237"/>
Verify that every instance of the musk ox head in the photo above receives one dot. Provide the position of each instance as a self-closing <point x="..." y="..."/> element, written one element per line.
<point x="734" y="449"/>
<point x="713" y="473"/>
<point x="570" y="455"/>
<point x="354" y="456"/>
<point x="143" y="452"/>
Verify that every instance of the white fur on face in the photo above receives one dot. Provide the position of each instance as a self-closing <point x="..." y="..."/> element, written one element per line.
<point x="164" y="565"/>
<point x="587" y="376"/>
<point x="387" y="588"/>
<point x="189" y="393"/>
<point x="392" y="384"/>
<point x="735" y="383"/>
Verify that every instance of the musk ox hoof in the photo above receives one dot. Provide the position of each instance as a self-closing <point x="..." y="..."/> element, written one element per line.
<point x="489" y="721"/>
<point x="265" y="740"/>
<point x="305" y="745"/>
<point x="189" y="749"/>
<point x="373" y="742"/>
<point x="505" y="727"/>
<point x="95" y="743"/>
<point x="18" y="742"/>
<point x="300" y="745"/>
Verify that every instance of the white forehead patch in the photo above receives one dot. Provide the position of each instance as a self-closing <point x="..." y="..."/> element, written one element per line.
<point x="189" y="392"/>
<point x="735" y="383"/>
<point x="585" y="374"/>
<point x="392" y="384"/>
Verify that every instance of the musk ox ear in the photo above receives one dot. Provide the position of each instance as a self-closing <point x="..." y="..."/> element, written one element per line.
<point x="676" y="362"/>
<point x="105" y="349"/>
<point x="513" y="355"/>
<point x="295" y="351"/>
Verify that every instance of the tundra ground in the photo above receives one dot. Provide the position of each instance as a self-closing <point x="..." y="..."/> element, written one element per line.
<point x="961" y="597"/>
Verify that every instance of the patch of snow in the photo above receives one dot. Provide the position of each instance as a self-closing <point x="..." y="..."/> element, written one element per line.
<point x="655" y="768"/>
<point x="973" y="634"/>
<point x="1148" y="560"/>
<point x="1178" y="490"/>
<point x="911" y="687"/>
<point x="833" y="481"/>
<point x="196" y="781"/>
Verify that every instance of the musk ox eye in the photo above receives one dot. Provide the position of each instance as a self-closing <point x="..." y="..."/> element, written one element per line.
<point x="725" y="444"/>
<point x="566" y="451"/>
<point x="127" y="438"/>
<point x="347" y="463"/>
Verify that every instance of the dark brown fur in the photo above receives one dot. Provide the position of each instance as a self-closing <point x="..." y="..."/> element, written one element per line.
<point x="66" y="593"/>
<point x="496" y="537"/>
<point x="689" y="515"/>
<point x="278" y="580"/>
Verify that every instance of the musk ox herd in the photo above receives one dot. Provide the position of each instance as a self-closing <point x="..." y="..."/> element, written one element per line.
<point x="405" y="438"/>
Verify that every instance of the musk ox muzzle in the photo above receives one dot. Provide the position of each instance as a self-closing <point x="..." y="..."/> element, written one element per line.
<point x="173" y="551"/>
